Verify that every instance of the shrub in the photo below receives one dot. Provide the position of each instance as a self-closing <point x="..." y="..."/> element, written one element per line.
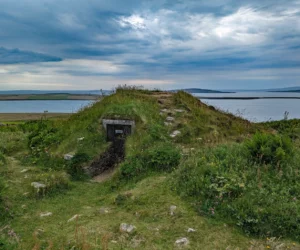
<point x="269" y="149"/>
<point x="2" y="207"/>
<point x="162" y="158"/>
<point x="224" y="183"/>
<point x="75" y="166"/>
<point x="2" y="159"/>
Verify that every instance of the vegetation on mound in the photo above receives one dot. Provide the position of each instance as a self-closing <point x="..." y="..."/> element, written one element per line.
<point x="254" y="185"/>
<point x="217" y="163"/>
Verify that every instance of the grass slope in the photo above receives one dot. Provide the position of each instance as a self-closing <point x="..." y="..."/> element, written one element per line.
<point x="140" y="191"/>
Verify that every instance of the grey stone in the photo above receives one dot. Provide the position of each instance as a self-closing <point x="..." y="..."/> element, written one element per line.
<point x="103" y="210"/>
<point x="38" y="185"/>
<point x="80" y="139"/>
<point x="76" y="216"/>
<point x="179" y="110"/>
<point x="24" y="171"/>
<point x="46" y="214"/>
<point x="182" y="242"/>
<point x="127" y="228"/>
<point x="172" y="210"/>
<point x="170" y="119"/>
<point x="175" y="133"/>
<point x="191" y="230"/>
<point x="68" y="157"/>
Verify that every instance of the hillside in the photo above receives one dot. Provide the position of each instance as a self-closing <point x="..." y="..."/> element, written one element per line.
<point x="189" y="173"/>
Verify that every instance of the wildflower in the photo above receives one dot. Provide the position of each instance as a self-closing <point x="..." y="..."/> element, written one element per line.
<point x="268" y="247"/>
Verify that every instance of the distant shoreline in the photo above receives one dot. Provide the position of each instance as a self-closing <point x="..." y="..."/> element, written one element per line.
<point x="246" y="98"/>
<point x="49" y="97"/>
<point x="13" y="117"/>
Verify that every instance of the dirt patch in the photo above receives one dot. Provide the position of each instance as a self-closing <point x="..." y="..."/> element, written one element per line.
<point x="109" y="159"/>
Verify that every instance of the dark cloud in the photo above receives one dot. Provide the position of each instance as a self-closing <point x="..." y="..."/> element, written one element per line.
<point x="154" y="39"/>
<point x="16" y="56"/>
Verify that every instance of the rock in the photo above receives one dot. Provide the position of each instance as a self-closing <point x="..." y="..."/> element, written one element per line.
<point x="172" y="210"/>
<point x="103" y="210"/>
<point x="191" y="230"/>
<point x="165" y="110"/>
<point x="182" y="242"/>
<point x="38" y="185"/>
<point x="175" y="133"/>
<point x="126" y="228"/>
<point x="170" y="119"/>
<point x="76" y="216"/>
<point x="168" y="123"/>
<point x="179" y="110"/>
<point x="68" y="157"/>
<point x="46" y="214"/>
<point x="80" y="139"/>
<point x="24" y="171"/>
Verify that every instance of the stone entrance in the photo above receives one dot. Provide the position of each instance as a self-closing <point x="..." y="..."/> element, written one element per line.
<point x="118" y="129"/>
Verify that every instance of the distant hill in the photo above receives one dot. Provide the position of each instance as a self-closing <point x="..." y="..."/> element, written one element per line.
<point x="43" y="92"/>
<point x="196" y="90"/>
<point x="288" y="89"/>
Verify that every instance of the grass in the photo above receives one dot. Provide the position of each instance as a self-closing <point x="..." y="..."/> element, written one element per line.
<point x="147" y="207"/>
<point x="9" y="118"/>
<point x="33" y="151"/>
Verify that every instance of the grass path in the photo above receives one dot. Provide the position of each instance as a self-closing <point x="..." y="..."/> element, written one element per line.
<point x="146" y="205"/>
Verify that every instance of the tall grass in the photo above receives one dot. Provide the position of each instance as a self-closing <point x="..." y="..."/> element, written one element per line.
<point x="236" y="184"/>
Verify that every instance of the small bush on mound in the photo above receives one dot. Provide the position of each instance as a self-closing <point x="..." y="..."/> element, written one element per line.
<point x="228" y="182"/>
<point x="2" y="159"/>
<point x="54" y="182"/>
<point x="269" y="149"/>
<point x="2" y="210"/>
<point x="162" y="158"/>
<point x="75" y="166"/>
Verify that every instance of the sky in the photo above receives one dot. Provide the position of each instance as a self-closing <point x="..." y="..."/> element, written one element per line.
<point x="164" y="44"/>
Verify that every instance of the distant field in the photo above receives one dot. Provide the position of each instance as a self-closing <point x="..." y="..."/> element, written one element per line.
<point x="48" y="97"/>
<point x="12" y="117"/>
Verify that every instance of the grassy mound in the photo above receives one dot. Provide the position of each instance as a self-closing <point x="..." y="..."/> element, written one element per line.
<point x="216" y="169"/>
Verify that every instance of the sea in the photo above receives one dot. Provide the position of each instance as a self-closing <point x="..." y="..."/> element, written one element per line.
<point x="254" y="110"/>
<point x="273" y="105"/>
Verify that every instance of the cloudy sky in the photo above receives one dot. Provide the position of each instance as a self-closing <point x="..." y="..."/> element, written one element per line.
<point x="94" y="44"/>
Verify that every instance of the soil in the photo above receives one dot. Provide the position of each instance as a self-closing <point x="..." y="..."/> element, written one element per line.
<point x="108" y="160"/>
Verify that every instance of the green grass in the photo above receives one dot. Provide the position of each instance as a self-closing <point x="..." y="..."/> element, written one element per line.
<point x="147" y="207"/>
<point x="142" y="188"/>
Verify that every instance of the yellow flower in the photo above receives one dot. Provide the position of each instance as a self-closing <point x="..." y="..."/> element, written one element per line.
<point x="268" y="247"/>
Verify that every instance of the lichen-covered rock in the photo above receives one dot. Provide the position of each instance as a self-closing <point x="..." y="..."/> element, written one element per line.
<point x="175" y="133"/>
<point x="68" y="157"/>
<point x="38" y="185"/>
<point x="182" y="242"/>
<point x="172" y="210"/>
<point x="127" y="228"/>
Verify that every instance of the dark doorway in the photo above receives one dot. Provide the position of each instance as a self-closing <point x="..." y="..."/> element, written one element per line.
<point x="116" y="131"/>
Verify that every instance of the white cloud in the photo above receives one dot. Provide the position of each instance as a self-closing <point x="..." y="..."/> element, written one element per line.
<point x="246" y="26"/>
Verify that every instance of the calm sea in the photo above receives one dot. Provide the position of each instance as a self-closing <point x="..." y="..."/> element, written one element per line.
<point x="56" y="106"/>
<point x="257" y="110"/>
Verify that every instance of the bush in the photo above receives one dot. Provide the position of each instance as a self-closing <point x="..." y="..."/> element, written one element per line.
<point x="75" y="166"/>
<point x="162" y="158"/>
<point x="2" y="159"/>
<point x="269" y="149"/>
<point x="2" y="207"/>
<point x="225" y="183"/>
